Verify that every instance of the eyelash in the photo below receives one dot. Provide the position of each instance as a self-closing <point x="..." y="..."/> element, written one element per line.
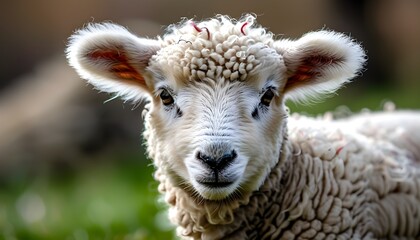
<point x="166" y="96"/>
<point x="167" y="99"/>
<point x="264" y="103"/>
<point x="267" y="97"/>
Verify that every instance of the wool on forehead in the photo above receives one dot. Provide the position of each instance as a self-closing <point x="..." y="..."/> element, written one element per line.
<point x="220" y="48"/>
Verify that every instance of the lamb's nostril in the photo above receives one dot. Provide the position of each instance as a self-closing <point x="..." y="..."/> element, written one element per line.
<point x="226" y="159"/>
<point x="216" y="163"/>
<point x="210" y="161"/>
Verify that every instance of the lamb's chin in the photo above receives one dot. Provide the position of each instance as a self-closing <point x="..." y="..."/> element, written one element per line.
<point x="216" y="192"/>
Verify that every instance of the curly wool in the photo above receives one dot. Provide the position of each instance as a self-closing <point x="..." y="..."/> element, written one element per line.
<point x="219" y="47"/>
<point x="330" y="183"/>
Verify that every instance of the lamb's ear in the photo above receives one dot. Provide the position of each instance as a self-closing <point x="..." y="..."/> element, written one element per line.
<point x="112" y="59"/>
<point x="319" y="63"/>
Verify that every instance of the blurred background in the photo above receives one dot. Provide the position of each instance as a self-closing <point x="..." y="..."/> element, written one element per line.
<point x="72" y="167"/>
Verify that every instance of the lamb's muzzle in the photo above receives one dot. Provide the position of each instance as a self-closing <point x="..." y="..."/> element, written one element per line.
<point x="214" y="173"/>
<point x="218" y="175"/>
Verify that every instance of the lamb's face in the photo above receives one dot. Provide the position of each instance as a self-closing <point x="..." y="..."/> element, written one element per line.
<point x="218" y="136"/>
<point x="216" y="89"/>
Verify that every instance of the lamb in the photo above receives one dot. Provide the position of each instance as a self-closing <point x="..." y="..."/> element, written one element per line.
<point x="230" y="161"/>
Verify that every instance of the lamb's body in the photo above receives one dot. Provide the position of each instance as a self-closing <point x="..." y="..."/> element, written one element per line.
<point x="228" y="162"/>
<point x="334" y="181"/>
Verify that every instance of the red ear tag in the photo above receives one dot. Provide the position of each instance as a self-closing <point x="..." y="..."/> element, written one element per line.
<point x="243" y="28"/>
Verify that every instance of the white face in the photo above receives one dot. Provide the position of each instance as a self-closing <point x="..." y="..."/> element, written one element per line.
<point x="219" y="138"/>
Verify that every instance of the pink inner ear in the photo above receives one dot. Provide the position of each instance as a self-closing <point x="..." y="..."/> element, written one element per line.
<point x="310" y="68"/>
<point x="118" y="64"/>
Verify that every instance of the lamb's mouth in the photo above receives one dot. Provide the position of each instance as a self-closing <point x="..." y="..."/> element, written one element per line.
<point x="216" y="180"/>
<point x="212" y="189"/>
<point x="215" y="184"/>
<point x="215" y="188"/>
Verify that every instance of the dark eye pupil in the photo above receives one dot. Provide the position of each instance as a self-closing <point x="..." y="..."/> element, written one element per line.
<point x="267" y="97"/>
<point x="166" y="98"/>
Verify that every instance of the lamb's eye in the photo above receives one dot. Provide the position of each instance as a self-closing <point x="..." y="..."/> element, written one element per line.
<point x="166" y="97"/>
<point x="267" y="97"/>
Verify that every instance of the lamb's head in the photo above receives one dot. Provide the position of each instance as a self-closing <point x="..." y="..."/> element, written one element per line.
<point x="216" y="118"/>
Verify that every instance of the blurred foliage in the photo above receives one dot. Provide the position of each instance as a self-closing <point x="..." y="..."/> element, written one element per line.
<point x="368" y="99"/>
<point x="99" y="200"/>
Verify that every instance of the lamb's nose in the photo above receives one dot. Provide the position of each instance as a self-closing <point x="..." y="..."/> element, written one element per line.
<point x="217" y="163"/>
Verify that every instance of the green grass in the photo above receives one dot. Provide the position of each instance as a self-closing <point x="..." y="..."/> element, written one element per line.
<point x="101" y="200"/>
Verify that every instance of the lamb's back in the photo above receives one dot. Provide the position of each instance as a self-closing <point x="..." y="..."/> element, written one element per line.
<point x="370" y="173"/>
<point x="401" y="128"/>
